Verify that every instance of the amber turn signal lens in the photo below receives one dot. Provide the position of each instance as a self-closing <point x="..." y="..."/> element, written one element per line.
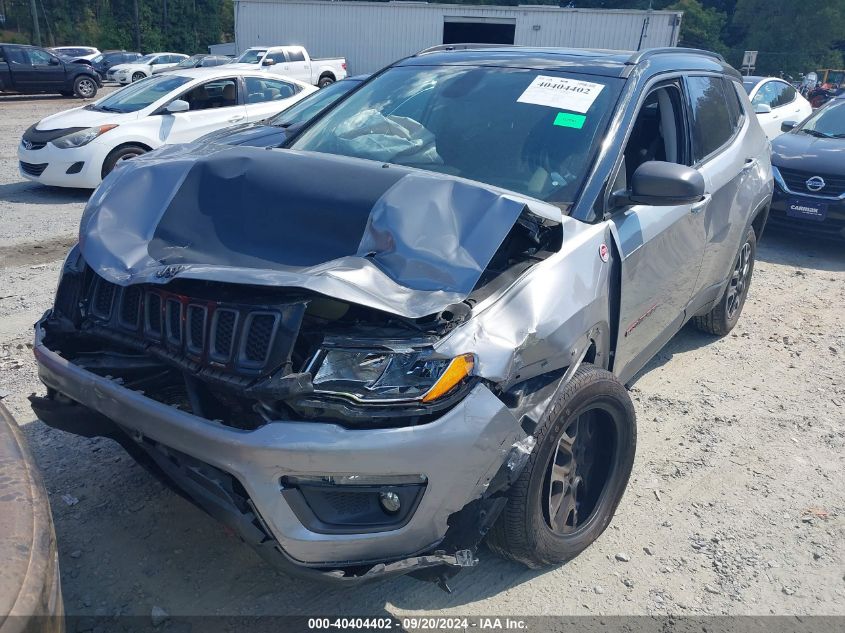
<point x="458" y="369"/>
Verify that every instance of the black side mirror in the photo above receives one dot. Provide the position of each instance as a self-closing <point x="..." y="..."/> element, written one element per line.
<point x="788" y="126"/>
<point x="54" y="61"/>
<point x="658" y="183"/>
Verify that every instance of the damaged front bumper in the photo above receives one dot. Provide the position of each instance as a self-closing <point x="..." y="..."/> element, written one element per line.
<point x="253" y="479"/>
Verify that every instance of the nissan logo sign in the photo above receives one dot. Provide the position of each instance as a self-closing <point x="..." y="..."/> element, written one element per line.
<point x="816" y="183"/>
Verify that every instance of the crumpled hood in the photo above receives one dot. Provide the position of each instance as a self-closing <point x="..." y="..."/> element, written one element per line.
<point x="391" y="238"/>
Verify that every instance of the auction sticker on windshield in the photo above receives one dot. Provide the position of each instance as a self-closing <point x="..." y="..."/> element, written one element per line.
<point x="561" y="93"/>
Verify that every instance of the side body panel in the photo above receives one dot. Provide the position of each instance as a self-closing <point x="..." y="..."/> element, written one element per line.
<point x="739" y="182"/>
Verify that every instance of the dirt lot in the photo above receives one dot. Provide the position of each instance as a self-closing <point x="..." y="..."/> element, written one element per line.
<point x="736" y="505"/>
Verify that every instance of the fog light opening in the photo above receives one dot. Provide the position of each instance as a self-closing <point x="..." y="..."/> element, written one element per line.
<point x="390" y="502"/>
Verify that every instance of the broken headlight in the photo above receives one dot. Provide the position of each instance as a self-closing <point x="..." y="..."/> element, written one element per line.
<point x="387" y="376"/>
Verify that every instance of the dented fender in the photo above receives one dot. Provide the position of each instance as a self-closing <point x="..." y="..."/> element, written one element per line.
<point x="548" y="318"/>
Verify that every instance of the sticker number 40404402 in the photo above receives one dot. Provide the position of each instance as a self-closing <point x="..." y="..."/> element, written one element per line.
<point x="561" y="93"/>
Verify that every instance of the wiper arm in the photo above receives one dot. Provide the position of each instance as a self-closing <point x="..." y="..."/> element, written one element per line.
<point x="817" y="134"/>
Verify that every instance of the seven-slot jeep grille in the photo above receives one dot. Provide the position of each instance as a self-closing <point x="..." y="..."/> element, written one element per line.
<point x="233" y="337"/>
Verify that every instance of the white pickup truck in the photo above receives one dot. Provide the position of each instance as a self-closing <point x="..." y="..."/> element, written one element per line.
<point x="295" y="62"/>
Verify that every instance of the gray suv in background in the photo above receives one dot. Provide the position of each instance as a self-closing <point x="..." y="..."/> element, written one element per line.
<point x="410" y="329"/>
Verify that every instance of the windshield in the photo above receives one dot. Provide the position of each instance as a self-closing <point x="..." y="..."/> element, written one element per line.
<point x="98" y="58"/>
<point x="189" y="62"/>
<point x="530" y="131"/>
<point x="139" y="95"/>
<point x="826" y="122"/>
<point x="251" y="56"/>
<point x="313" y="104"/>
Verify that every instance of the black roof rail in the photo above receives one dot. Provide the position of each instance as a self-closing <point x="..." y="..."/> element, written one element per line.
<point x="459" y="47"/>
<point x="639" y="56"/>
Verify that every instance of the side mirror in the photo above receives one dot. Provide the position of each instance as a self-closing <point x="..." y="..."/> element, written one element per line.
<point x="268" y="62"/>
<point x="54" y="61"/>
<point x="178" y="105"/>
<point x="762" y="108"/>
<point x="662" y="184"/>
<point x="788" y="126"/>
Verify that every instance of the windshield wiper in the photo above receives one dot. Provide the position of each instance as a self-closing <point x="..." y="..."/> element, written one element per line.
<point x="817" y="134"/>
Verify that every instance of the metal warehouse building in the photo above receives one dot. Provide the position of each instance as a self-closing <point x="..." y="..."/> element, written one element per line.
<point x="373" y="34"/>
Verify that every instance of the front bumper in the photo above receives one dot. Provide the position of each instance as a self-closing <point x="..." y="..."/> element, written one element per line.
<point x="458" y="454"/>
<point x="50" y="165"/>
<point x="832" y="227"/>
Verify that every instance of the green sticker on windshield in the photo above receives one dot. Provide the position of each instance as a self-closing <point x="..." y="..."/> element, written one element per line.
<point x="565" y="119"/>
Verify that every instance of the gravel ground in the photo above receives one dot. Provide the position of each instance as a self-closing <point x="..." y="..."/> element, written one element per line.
<point x="736" y="504"/>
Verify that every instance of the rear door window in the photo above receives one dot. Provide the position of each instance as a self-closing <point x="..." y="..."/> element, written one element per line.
<point x="262" y="90"/>
<point x="15" y="55"/>
<point x="296" y="56"/>
<point x="786" y="96"/>
<point x="712" y="124"/>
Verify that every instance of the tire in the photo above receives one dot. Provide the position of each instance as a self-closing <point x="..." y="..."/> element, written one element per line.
<point x="722" y="318"/>
<point x="325" y="80"/>
<point x="124" y="152"/>
<point x="602" y="447"/>
<point x="85" y="87"/>
<point x="138" y="76"/>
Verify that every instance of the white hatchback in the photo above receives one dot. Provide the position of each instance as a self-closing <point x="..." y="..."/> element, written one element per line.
<point x="775" y="101"/>
<point x="78" y="147"/>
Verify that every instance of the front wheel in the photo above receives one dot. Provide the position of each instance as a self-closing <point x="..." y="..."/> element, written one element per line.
<point x="722" y="319"/>
<point x="126" y="152"/>
<point x="576" y="476"/>
<point x="138" y="76"/>
<point x="85" y="87"/>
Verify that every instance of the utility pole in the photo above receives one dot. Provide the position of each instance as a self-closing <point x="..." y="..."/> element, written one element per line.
<point x="36" y="29"/>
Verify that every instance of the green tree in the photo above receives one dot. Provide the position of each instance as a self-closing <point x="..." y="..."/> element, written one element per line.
<point x="791" y="37"/>
<point x="700" y="27"/>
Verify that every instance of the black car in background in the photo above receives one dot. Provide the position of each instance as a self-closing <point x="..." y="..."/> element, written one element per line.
<point x="33" y="70"/>
<point x="808" y="164"/>
<point x="105" y="60"/>
<point x="273" y="131"/>
<point x="196" y="61"/>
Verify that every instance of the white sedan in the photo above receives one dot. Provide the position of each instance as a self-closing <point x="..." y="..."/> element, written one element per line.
<point x="143" y="67"/>
<point x="775" y="101"/>
<point x="78" y="147"/>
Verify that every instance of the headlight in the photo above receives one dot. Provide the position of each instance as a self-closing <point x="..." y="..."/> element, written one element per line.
<point x="83" y="137"/>
<point x="372" y="376"/>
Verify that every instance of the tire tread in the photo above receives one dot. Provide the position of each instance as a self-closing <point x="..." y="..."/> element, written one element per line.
<point x="509" y="536"/>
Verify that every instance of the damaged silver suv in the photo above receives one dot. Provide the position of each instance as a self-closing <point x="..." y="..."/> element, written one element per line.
<point x="409" y="330"/>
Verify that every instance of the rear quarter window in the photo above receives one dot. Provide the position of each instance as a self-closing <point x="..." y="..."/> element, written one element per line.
<point x="735" y="106"/>
<point x="712" y="122"/>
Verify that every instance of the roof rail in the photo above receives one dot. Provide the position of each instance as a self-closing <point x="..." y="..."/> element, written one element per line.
<point x="459" y="47"/>
<point x="639" y="56"/>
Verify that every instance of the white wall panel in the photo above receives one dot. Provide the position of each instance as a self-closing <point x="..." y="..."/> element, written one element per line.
<point x="371" y="35"/>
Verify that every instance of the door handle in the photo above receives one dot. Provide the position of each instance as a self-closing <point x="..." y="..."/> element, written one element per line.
<point x="699" y="206"/>
<point x="235" y="119"/>
<point x="750" y="163"/>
